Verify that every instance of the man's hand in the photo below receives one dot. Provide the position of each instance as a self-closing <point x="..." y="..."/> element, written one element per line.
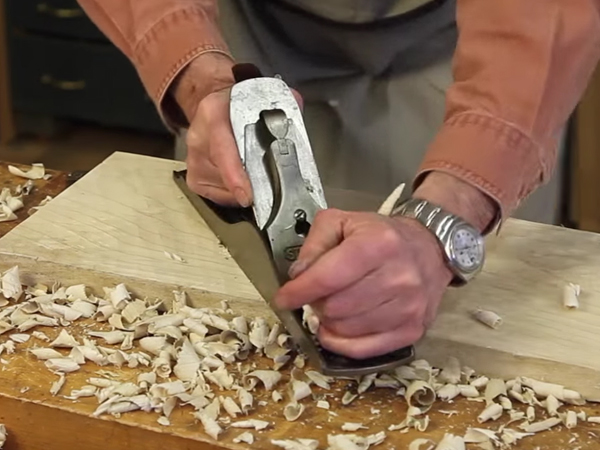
<point x="215" y="170"/>
<point x="376" y="282"/>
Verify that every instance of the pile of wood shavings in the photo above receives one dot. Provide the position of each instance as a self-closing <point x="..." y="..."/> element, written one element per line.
<point x="11" y="201"/>
<point x="200" y="357"/>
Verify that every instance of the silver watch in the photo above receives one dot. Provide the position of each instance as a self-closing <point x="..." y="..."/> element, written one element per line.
<point x="462" y="244"/>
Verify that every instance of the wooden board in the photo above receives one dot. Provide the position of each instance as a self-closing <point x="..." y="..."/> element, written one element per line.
<point x="118" y="220"/>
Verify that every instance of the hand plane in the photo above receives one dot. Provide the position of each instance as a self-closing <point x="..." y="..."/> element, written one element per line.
<point x="266" y="238"/>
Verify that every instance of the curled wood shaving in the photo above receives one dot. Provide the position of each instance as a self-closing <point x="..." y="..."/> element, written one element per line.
<point x="542" y="425"/>
<point x="211" y="427"/>
<point x="570" y="297"/>
<point x="62" y="364"/>
<point x="251" y="423"/>
<point x="493" y="389"/>
<point x="451" y="442"/>
<point x="388" y="204"/>
<point x="420" y="394"/>
<point x="352" y="426"/>
<point x="11" y="284"/>
<point x="57" y="385"/>
<point x="451" y="371"/>
<point x="544" y="389"/>
<point x="245" y="437"/>
<point x="422" y="444"/>
<point x="481" y="436"/>
<point x="492" y="412"/>
<point x="35" y="172"/>
<point x="489" y="318"/>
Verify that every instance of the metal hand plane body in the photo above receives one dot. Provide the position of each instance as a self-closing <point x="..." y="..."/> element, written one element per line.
<point x="275" y="150"/>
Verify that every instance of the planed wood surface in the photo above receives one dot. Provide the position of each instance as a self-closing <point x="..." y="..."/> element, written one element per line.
<point x="42" y="188"/>
<point x="36" y="419"/>
<point x="119" y="219"/>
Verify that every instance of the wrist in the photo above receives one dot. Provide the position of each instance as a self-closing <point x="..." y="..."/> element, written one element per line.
<point x="208" y="73"/>
<point x="459" y="198"/>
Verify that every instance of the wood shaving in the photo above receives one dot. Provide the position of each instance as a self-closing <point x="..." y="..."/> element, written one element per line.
<point x="293" y="410"/>
<point x="387" y="207"/>
<point x="174" y="257"/>
<point x="3" y="435"/>
<point x="491" y="412"/>
<point x="422" y="444"/>
<point x="451" y="371"/>
<point x="57" y="385"/>
<point x="488" y="318"/>
<point x="19" y="338"/>
<point x="35" y="172"/>
<point x="351" y="426"/>
<point x="251" y="423"/>
<point x="296" y="444"/>
<point x="570" y="296"/>
<point x="245" y="437"/>
<point x="542" y="425"/>
<point x="451" y="442"/>
<point x="420" y="394"/>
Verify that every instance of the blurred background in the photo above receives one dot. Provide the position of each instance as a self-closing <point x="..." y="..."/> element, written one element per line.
<point x="69" y="98"/>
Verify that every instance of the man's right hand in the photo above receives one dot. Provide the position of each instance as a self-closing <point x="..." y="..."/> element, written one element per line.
<point x="214" y="167"/>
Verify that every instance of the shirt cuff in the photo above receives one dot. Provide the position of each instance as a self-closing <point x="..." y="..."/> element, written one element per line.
<point x="491" y="155"/>
<point x="169" y="46"/>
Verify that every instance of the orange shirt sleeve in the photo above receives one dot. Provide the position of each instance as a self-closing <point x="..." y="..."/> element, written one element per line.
<point x="160" y="37"/>
<point x="520" y="68"/>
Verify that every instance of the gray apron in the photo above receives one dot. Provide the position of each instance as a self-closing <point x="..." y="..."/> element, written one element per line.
<point x="373" y="75"/>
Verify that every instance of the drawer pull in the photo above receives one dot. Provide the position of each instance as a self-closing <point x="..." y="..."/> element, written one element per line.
<point x="59" y="13"/>
<point x="63" y="85"/>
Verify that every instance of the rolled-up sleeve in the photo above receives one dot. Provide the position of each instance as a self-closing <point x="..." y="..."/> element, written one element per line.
<point x="160" y="37"/>
<point x="520" y="68"/>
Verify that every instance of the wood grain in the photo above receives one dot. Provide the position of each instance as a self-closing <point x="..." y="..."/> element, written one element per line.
<point x="42" y="188"/>
<point x="36" y="419"/>
<point x="7" y="125"/>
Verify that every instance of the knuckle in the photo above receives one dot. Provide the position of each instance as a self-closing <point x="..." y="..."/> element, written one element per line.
<point x="325" y="284"/>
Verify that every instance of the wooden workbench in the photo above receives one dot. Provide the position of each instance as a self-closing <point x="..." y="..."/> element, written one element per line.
<point x="43" y="188"/>
<point x="114" y="226"/>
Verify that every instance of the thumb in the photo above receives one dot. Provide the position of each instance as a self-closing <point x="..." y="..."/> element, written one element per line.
<point x="326" y="233"/>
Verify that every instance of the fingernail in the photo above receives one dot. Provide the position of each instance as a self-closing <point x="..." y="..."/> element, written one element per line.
<point x="241" y="197"/>
<point x="297" y="268"/>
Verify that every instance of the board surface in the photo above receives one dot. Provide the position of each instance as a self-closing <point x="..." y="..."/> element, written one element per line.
<point x="119" y="220"/>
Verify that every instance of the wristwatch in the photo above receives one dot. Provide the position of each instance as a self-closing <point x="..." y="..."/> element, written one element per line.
<point x="462" y="244"/>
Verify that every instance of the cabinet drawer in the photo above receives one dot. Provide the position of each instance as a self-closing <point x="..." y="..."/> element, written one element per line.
<point x="60" y="17"/>
<point x="78" y="80"/>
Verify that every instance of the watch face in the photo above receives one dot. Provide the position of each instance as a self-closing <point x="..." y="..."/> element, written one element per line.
<point x="467" y="247"/>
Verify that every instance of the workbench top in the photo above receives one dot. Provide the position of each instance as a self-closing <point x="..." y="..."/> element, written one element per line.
<point x="116" y="224"/>
<point x="43" y="188"/>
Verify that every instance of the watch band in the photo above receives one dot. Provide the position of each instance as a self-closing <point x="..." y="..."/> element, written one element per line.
<point x="442" y="224"/>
